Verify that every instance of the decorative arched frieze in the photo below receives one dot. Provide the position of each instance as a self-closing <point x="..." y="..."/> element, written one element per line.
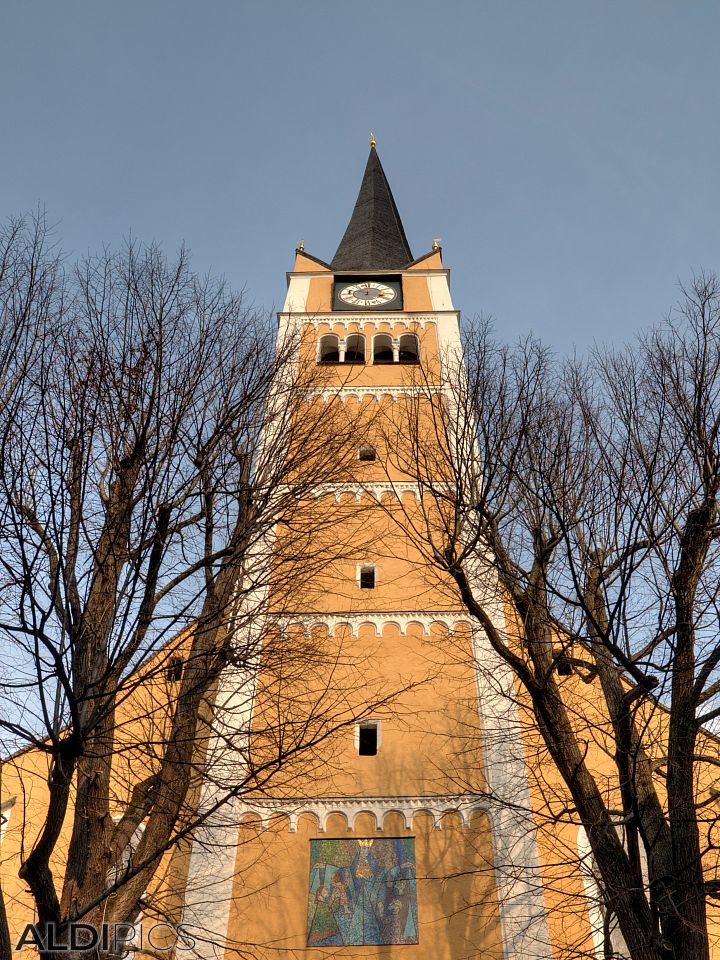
<point x="376" y="490"/>
<point x="448" y="620"/>
<point x="394" y="393"/>
<point x="322" y="808"/>
<point x="407" y="321"/>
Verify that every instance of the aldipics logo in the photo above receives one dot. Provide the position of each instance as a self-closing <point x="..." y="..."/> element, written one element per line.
<point x="116" y="939"/>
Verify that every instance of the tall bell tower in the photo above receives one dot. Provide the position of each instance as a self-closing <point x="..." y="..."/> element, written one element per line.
<point x="406" y="833"/>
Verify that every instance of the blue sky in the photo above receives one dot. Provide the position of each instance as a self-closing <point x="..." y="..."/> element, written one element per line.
<point x="567" y="151"/>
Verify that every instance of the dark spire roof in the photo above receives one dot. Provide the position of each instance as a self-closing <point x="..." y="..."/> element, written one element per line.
<point x="374" y="239"/>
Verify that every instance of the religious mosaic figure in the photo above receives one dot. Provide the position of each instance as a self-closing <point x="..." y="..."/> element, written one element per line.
<point x="362" y="892"/>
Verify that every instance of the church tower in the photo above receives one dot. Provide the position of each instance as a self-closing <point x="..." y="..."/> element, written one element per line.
<point x="405" y="832"/>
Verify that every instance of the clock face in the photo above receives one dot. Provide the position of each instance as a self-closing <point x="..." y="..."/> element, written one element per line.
<point x="368" y="293"/>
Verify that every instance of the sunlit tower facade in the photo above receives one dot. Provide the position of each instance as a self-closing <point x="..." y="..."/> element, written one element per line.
<point x="395" y="842"/>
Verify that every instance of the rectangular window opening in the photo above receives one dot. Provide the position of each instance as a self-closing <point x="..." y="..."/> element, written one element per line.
<point x="367" y="578"/>
<point x="368" y="739"/>
<point x="563" y="666"/>
<point x="174" y="670"/>
<point x="367" y="453"/>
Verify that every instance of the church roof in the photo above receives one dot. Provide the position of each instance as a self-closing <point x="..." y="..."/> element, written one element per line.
<point x="374" y="239"/>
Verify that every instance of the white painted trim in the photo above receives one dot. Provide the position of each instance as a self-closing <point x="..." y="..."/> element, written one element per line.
<point x="409" y="321"/>
<point x="393" y="347"/>
<point x="360" y="336"/>
<point x="5" y="811"/>
<point x="417" y="344"/>
<point x="368" y="722"/>
<point x="593" y="895"/>
<point x="297" y="295"/>
<point x="366" y="446"/>
<point x="377" y="489"/>
<point x="592" y="892"/>
<point x="126" y="855"/>
<point x="268" y="809"/>
<point x="211" y="872"/>
<point x="401" y="619"/>
<point x="440" y="292"/>
<point x="318" y="347"/>
<point x="394" y="393"/>
<point x="523" y="914"/>
<point x="367" y="565"/>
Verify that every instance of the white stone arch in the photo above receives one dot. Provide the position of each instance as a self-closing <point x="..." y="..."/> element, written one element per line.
<point x="408" y="322"/>
<point x="294" y="818"/>
<point x="426" y="811"/>
<point x="451" y="620"/>
<point x="410" y="343"/>
<point x="460" y="812"/>
<point x="354" y="344"/>
<point x="337" y="812"/>
<point x="342" y="393"/>
<point x="365" y="813"/>
<point x="383" y="342"/>
<point x="328" y="348"/>
<point x="251" y="818"/>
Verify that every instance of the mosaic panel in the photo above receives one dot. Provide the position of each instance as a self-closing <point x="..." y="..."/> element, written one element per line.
<point x="362" y="892"/>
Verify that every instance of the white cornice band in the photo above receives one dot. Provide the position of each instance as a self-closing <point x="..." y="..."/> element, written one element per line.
<point x="377" y="490"/>
<point x="345" y="392"/>
<point x="448" y="620"/>
<point x="407" y="320"/>
<point x="322" y="808"/>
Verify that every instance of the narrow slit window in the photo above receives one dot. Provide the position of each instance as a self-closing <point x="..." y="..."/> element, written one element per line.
<point x="367" y="454"/>
<point x="367" y="578"/>
<point x="368" y="740"/>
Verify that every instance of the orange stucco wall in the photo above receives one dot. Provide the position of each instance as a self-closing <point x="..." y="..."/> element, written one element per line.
<point x="416" y="295"/>
<point x="420" y="686"/>
<point x="457" y="918"/>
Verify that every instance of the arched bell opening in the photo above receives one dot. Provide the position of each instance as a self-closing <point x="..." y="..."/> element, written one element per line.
<point x="409" y="348"/>
<point x="382" y="348"/>
<point x="355" y="348"/>
<point x="329" y="349"/>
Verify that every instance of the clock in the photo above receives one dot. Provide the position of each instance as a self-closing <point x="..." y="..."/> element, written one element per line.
<point x="368" y="293"/>
<point x="349" y="295"/>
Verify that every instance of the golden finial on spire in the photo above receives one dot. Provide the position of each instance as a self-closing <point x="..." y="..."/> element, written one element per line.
<point x="301" y="246"/>
<point x="373" y="141"/>
<point x="436" y="243"/>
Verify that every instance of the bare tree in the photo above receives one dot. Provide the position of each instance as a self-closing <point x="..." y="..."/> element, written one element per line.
<point x="585" y="495"/>
<point x="28" y="292"/>
<point x="149" y="446"/>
